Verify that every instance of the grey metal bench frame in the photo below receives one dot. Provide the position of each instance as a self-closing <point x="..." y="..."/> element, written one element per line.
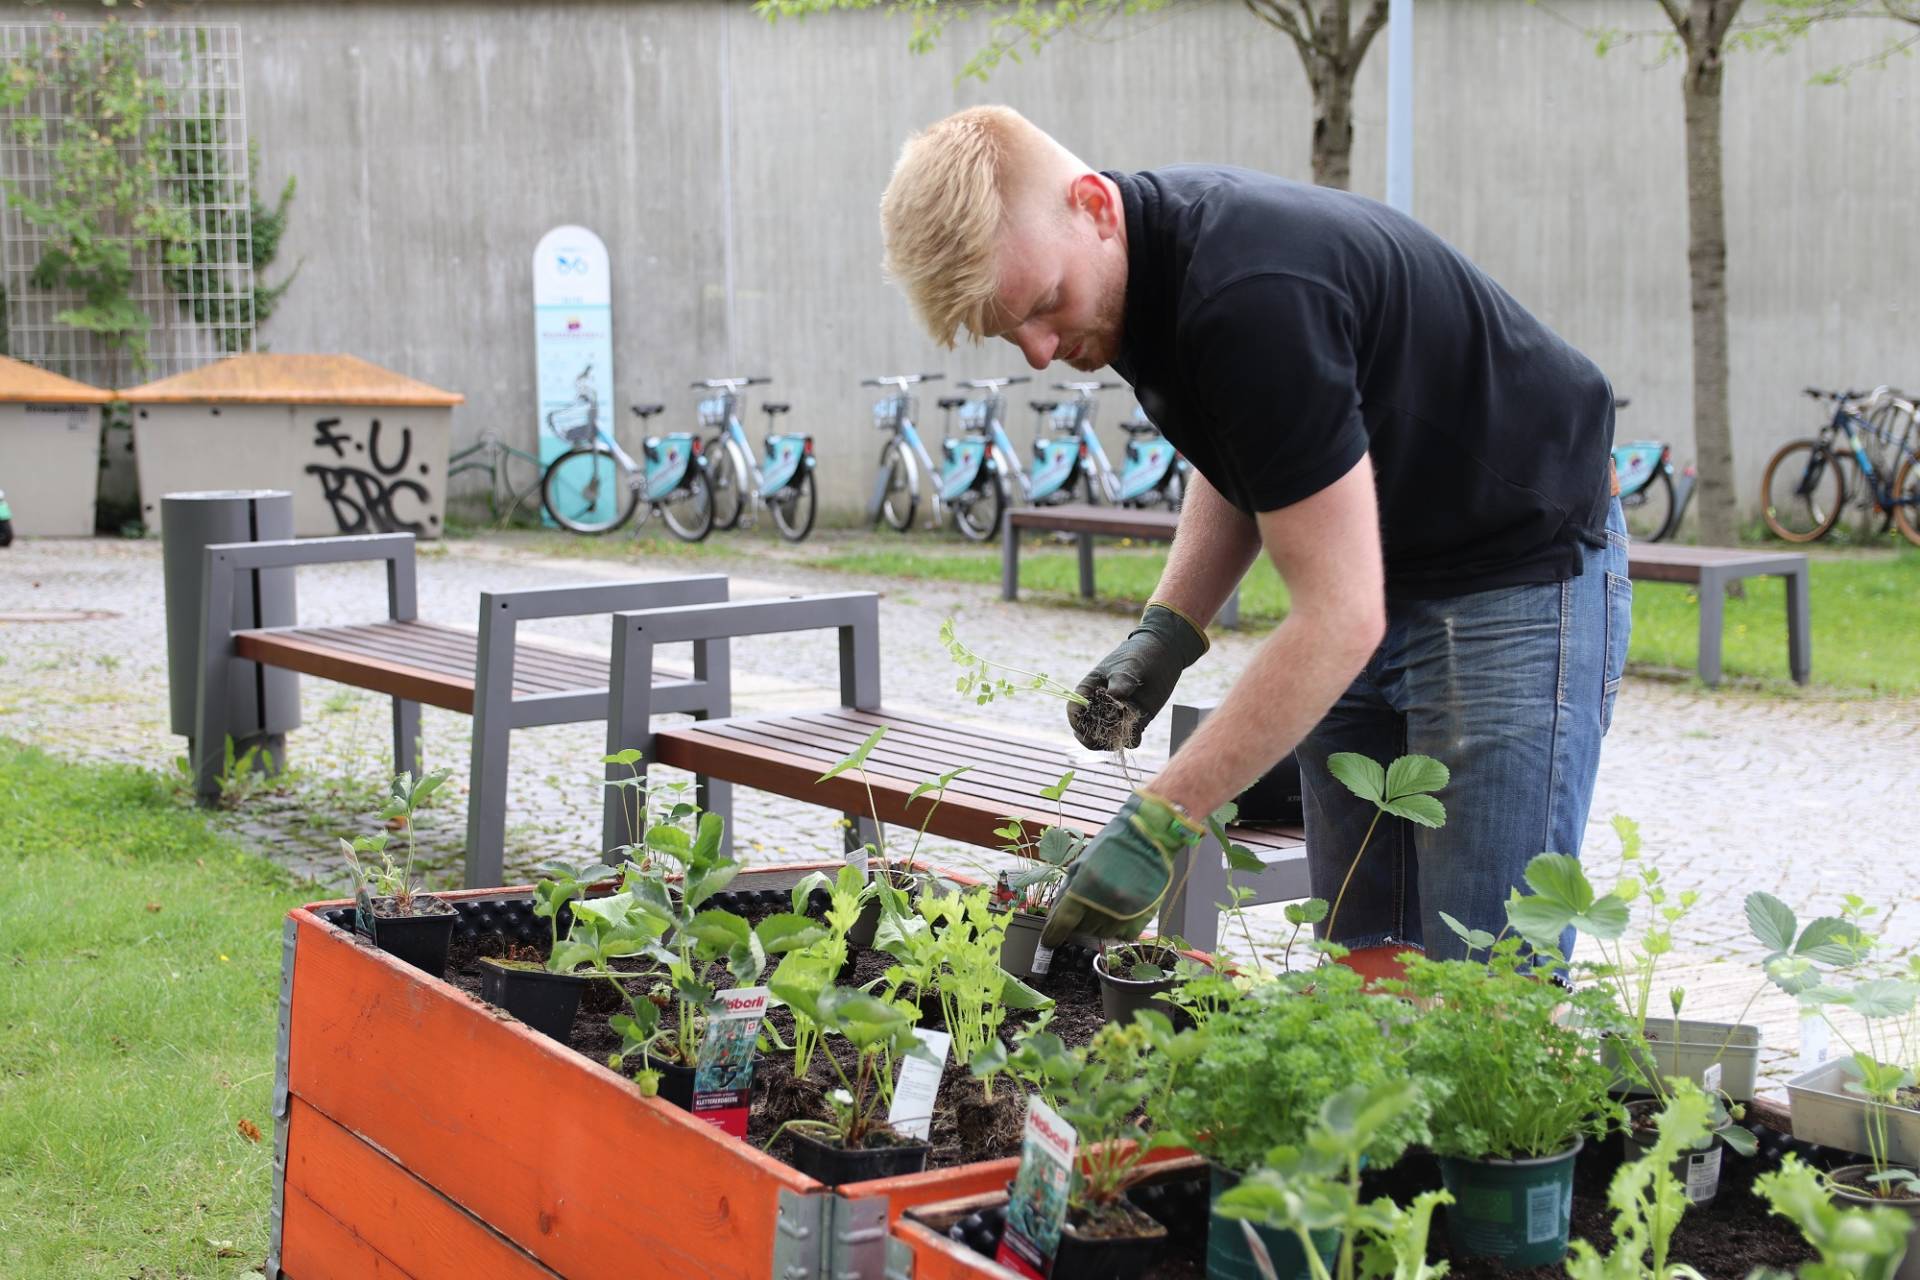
<point x="1191" y="912"/>
<point x="496" y="711"/>
<point x="1085" y="522"/>
<point x="1716" y="568"/>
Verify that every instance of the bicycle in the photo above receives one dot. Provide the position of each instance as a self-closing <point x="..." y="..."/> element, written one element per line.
<point x="1155" y="472"/>
<point x="896" y="482"/>
<point x="975" y="480"/>
<point x="595" y="486"/>
<point x="1653" y="496"/>
<point x="1071" y="457"/>
<point x="506" y="468"/>
<point x="784" y="485"/>
<point x="1807" y="483"/>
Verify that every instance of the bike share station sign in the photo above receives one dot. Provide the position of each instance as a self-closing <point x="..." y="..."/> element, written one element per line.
<point x="573" y="341"/>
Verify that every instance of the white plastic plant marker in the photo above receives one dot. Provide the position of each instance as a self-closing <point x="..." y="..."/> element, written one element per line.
<point x="1815" y="1039"/>
<point x="1710" y="1078"/>
<point x="911" y="1114"/>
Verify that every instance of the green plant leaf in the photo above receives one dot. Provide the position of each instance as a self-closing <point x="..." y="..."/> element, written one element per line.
<point x="1309" y="911"/>
<point x="858" y="758"/>
<point x="706" y="844"/>
<point x="1476" y="939"/>
<point x="1831" y="940"/>
<point x="939" y="784"/>
<point x="630" y="756"/>
<point x="1421" y="809"/>
<point x="1242" y="859"/>
<point x="1411" y="775"/>
<point x="1059" y="788"/>
<point x="718" y="930"/>
<point x="1772" y="921"/>
<point x="785" y="932"/>
<point x="1360" y="775"/>
<point x="670" y="841"/>
<point x="1059" y="846"/>
<point x="1015" y="994"/>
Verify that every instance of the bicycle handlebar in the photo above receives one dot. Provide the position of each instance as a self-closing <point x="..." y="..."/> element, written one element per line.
<point x="1085" y="388"/>
<point x="901" y="380"/>
<point x="994" y="384"/>
<point x="717" y="384"/>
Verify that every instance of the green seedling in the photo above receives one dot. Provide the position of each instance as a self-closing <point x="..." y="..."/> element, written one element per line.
<point x="1401" y="790"/>
<point x="879" y="1031"/>
<point x="1315" y="1187"/>
<point x="1852" y="1244"/>
<point x="1648" y="1201"/>
<point x="391" y="880"/>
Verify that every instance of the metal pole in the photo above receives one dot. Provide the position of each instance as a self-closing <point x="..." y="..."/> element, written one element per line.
<point x="1400" y="105"/>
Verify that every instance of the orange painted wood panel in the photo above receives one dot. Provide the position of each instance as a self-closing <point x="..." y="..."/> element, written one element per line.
<point x="911" y="1190"/>
<point x="395" y="1214"/>
<point x="937" y="1258"/>
<point x="316" y="1246"/>
<point x="557" y="1154"/>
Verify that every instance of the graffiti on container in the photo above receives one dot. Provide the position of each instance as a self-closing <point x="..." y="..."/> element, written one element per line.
<point x="365" y="487"/>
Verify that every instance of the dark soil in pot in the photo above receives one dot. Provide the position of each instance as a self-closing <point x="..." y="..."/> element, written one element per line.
<point x="884" y="1155"/>
<point x="420" y="939"/>
<point x="1118" y="1245"/>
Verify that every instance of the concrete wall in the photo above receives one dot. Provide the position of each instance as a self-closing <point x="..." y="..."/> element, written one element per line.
<point x="733" y="169"/>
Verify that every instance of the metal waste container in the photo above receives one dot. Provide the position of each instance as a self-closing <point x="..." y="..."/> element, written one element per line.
<point x="263" y="702"/>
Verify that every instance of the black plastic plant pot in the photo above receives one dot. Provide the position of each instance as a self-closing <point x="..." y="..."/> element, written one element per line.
<point x="420" y="939"/>
<point x="1021" y="943"/>
<point x="1111" y="1251"/>
<point x="544" y="1001"/>
<point x="836" y="1165"/>
<point x="864" y="928"/>
<point x="1122" y="997"/>
<point x="1230" y="1257"/>
<point x="1698" y="1170"/>
<point x="1515" y="1211"/>
<point x="676" y="1083"/>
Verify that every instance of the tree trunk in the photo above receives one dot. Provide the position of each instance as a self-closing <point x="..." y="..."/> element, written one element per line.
<point x="1332" y="127"/>
<point x="1718" y="504"/>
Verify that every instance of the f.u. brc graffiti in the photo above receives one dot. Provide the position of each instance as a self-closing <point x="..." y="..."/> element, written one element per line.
<point x="363" y="494"/>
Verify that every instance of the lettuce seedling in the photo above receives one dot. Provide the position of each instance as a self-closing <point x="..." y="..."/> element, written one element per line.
<point x="1852" y="1244"/>
<point x="1648" y="1201"/>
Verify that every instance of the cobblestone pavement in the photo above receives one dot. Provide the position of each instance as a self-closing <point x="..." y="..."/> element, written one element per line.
<point x="1803" y="797"/>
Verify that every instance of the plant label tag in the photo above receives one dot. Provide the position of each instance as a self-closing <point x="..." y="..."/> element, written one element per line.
<point x="1037" y="1203"/>
<point x="723" y="1076"/>
<point x="912" y="1111"/>
<point x="1543" y="1214"/>
<point x="1042" y="959"/>
<point x="1710" y="1078"/>
<point x="363" y="912"/>
<point x="1703" y="1175"/>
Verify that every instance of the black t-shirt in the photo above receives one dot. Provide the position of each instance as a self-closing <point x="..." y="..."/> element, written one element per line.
<point x="1276" y="331"/>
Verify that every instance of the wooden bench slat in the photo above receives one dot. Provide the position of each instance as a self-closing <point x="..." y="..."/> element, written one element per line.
<point x="535" y="669"/>
<point x="295" y="654"/>
<point x="1078" y="517"/>
<point x="400" y="650"/>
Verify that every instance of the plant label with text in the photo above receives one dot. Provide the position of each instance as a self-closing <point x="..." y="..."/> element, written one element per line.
<point x="1037" y="1204"/>
<point x="723" y="1077"/>
<point x="911" y="1114"/>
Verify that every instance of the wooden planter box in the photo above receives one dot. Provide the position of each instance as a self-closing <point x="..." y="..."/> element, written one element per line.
<point x="423" y="1133"/>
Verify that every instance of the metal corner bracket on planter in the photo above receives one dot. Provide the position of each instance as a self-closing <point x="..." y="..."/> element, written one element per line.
<point x="1825" y="1112"/>
<point x="1688" y="1048"/>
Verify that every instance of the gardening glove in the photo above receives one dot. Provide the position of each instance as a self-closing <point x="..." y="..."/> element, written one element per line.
<point x="1140" y="674"/>
<point x="1114" y="888"/>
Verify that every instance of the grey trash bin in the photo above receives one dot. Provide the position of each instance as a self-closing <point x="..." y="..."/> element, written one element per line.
<point x="263" y="700"/>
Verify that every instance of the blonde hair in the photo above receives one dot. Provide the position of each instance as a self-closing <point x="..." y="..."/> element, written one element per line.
<point x="944" y="211"/>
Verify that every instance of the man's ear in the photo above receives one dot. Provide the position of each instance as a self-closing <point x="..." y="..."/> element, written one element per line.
<point x="1096" y="197"/>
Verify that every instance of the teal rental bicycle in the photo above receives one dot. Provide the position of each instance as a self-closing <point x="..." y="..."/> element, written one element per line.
<point x="596" y="486"/>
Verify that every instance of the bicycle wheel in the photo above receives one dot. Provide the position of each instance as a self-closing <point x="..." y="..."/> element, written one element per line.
<point x="1802" y="491"/>
<point x="688" y="510"/>
<point x="724" y="478"/>
<point x="977" y="511"/>
<point x="901" y="496"/>
<point x="586" y="490"/>
<point x="1906" y="494"/>
<point x="1649" y="509"/>
<point x="516" y="490"/>
<point x="792" y="507"/>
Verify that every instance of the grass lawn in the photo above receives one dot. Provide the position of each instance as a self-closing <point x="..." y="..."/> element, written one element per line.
<point x="1866" y="607"/>
<point x="137" y="1019"/>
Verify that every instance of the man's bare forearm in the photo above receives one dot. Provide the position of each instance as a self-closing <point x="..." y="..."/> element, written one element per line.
<point x="1296" y="675"/>
<point x="1215" y="544"/>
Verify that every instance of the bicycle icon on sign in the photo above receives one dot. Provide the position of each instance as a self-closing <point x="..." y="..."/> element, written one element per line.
<point x="570" y="266"/>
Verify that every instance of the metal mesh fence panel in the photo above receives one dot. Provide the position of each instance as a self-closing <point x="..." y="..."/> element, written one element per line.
<point x="202" y="307"/>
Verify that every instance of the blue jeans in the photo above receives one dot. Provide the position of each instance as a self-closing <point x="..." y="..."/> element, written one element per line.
<point x="1512" y="690"/>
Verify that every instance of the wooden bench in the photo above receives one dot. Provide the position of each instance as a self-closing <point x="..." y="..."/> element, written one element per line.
<point x="1712" y="569"/>
<point x="1088" y="522"/>
<point x="786" y="753"/>
<point x="502" y="681"/>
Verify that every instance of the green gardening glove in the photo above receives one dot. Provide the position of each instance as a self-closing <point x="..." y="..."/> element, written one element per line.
<point x="1140" y="673"/>
<point x="1115" y="887"/>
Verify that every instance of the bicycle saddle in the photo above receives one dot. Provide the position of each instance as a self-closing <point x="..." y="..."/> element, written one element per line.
<point x="1133" y="428"/>
<point x="952" y="402"/>
<point x="771" y="409"/>
<point x="1043" y="406"/>
<point x="648" y="410"/>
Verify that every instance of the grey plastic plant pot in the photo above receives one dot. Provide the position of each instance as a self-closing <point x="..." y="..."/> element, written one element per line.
<point x="864" y="928"/>
<point x="1022" y="941"/>
<point x="1697" y="1047"/>
<point x="1230" y="1258"/>
<point x="1826" y="1113"/>
<point x="1515" y="1211"/>
<point x="1697" y="1170"/>
<point x="1909" y="1268"/>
